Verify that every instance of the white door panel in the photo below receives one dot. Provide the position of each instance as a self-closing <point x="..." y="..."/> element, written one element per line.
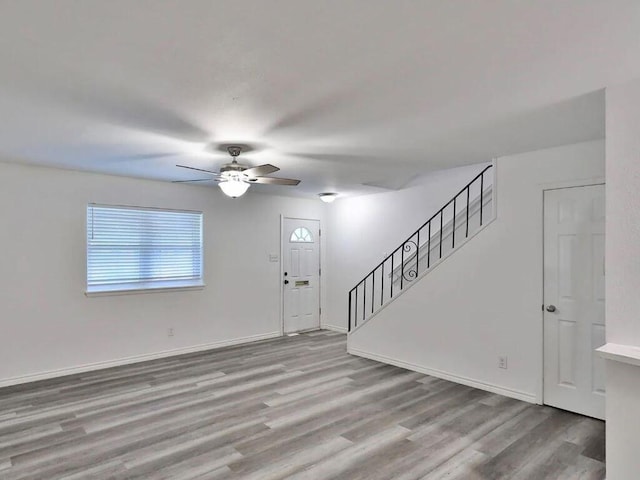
<point x="574" y="284"/>
<point x="301" y="269"/>
<point x="294" y="263"/>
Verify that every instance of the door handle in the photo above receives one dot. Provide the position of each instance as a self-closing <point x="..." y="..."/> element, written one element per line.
<point x="551" y="308"/>
<point x="286" y="282"/>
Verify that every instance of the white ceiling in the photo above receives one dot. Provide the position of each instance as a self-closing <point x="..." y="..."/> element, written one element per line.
<point x="338" y="94"/>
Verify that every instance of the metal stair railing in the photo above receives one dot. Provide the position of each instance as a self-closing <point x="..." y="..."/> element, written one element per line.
<point x="407" y="257"/>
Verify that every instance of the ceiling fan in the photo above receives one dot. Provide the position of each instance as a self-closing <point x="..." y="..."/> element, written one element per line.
<point x="234" y="178"/>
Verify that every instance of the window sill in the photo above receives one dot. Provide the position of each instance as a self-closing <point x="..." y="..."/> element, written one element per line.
<point x="155" y="287"/>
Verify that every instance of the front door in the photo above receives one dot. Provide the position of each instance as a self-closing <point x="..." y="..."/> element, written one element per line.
<point x="301" y="274"/>
<point x="574" y="376"/>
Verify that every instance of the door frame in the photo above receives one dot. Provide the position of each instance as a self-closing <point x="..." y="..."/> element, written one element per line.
<point x="543" y="187"/>
<point x="281" y="272"/>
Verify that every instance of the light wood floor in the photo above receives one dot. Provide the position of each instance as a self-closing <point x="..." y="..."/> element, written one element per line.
<point x="294" y="407"/>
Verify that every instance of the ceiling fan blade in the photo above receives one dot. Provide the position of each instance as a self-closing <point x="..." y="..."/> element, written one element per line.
<point x="199" y="170"/>
<point x="260" y="170"/>
<point x="196" y="180"/>
<point x="274" y="181"/>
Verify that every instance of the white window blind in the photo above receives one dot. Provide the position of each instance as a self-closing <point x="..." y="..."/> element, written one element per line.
<point x="137" y="248"/>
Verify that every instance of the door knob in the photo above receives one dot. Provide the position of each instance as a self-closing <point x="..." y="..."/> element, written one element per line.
<point x="551" y="308"/>
<point x="286" y="282"/>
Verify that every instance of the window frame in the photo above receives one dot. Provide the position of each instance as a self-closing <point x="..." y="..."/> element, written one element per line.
<point x="151" y="286"/>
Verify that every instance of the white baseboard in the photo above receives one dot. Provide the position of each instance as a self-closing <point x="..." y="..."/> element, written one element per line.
<point x="135" y="359"/>
<point x="507" y="392"/>
<point x="334" y="328"/>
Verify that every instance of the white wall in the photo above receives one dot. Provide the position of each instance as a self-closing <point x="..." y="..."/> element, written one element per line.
<point x="623" y="277"/>
<point x="362" y="231"/>
<point x="485" y="299"/>
<point x="46" y="321"/>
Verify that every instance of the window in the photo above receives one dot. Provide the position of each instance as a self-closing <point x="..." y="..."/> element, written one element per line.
<point x="301" y="235"/>
<point x="142" y="248"/>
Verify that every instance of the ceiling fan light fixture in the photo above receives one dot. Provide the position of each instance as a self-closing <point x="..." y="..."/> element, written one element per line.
<point x="234" y="178"/>
<point x="327" y="197"/>
<point x="234" y="187"/>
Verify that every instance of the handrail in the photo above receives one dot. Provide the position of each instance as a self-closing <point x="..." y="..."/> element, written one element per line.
<point x="413" y="243"/>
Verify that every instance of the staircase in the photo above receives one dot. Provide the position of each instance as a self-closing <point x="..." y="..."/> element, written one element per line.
<point x="448" y="229"/>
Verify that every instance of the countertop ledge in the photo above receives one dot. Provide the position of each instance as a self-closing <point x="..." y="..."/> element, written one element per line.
<point x="629" y="354"/>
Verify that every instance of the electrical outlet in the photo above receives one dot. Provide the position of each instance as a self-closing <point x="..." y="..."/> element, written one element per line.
<point x="170" y="332"/>
<point x="502" y="361"/>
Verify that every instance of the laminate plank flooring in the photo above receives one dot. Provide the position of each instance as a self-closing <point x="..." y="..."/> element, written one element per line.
<point x="294" y="407"/>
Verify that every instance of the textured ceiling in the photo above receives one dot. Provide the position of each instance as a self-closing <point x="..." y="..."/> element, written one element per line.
<point x="351" y="96"/>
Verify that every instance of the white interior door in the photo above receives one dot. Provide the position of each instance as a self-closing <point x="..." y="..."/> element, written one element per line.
<point x="574" y="376"/>
<point x="301" y="270"/>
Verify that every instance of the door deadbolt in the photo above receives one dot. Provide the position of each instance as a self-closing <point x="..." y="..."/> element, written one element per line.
<point x="551" y="308"/>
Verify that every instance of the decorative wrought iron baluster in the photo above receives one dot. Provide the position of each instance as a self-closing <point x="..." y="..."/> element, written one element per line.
<point x="364" y="298"/>
<point x="392" y="273"/>
<point x="349" y="319"/>
<point x="441" y="215"/>
<point x="418" y="254"/>
<point x="373" y="289"/>
<point x="410" y="274"/>
<point x="481" y="194"/>
<point x="453" y="232"/>
<point x="355" y="315"/>
<point x="467" y="234"/>
<point x="429" y="247"/>
<point x="382" y="284"/>
<point x="402" y="267"/>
